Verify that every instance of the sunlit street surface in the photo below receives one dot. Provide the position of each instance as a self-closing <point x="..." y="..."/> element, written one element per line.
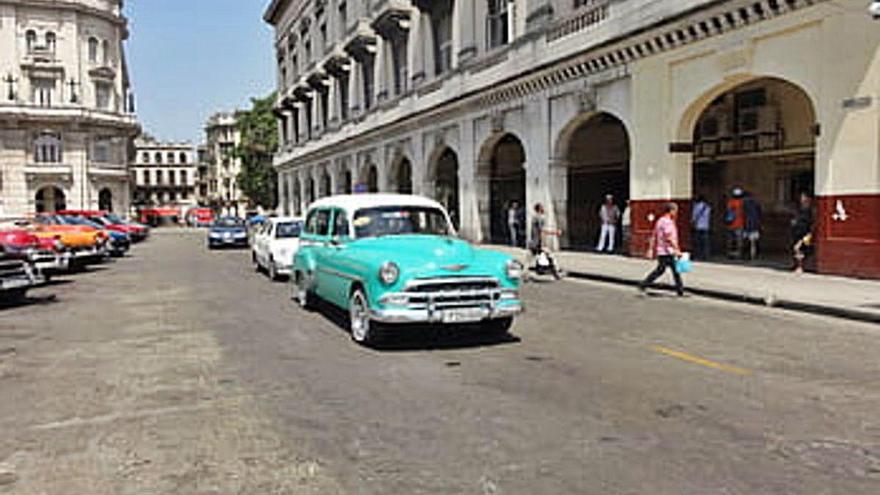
<point x="186" y="371"/>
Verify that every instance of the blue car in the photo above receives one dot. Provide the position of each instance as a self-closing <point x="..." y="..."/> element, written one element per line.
<point x="228" y="232"/>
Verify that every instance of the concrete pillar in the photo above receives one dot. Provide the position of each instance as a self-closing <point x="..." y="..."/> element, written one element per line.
<point x="416" y="57"/>
<point x="381" y="64"/>
<point x="464" y="20"/>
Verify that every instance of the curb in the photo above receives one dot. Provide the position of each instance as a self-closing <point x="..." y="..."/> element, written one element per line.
<point x="798" y="306"/>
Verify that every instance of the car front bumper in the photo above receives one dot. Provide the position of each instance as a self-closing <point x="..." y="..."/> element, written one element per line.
<point x="51" y="262"/>
<point x="228" y="242"/>
<point x="94" y="254"/>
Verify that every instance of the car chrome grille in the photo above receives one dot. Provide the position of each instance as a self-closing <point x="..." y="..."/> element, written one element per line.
<point x="452" y="292"/>
<point x="13" y="269"/>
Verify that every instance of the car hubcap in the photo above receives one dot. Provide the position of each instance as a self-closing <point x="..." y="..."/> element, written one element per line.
<point x="360" y="321"/>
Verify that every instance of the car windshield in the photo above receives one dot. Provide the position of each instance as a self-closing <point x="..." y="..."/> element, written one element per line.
<point x="80" y="221"/>
<point x="229" y="222"/>
<point x="288" y="230"/>
<point x="400" y="220"/>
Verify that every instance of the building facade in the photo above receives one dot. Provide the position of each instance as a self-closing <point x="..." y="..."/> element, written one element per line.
<point x="164" y="174"/>
<point x="222" y="137"/>
<point x="66" y="109"/>
<point x="480" y="103"/>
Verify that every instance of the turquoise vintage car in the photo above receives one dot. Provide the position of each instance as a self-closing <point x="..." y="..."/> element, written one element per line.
<point x="395" y="259"/>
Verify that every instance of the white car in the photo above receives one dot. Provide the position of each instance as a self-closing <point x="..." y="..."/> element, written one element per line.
<point x="274" y="245"/>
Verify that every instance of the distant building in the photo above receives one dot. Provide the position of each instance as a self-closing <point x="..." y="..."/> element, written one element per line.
<point x="205" y="179"/>
<point x="165" y="174"/>
<point x="66" y="108"/>
<point x="222" y="137"/>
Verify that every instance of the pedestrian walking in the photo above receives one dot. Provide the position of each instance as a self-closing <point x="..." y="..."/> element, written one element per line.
<point x="609" y="215"/>
<point x="626" y="227"/>
<point x="752" y="227"/>
<point x="513" y="223"/>
<point x="701" y="221"/>
<point x="664" y="246"/>
<point x="736" y="222"/>
<point x="802" y="232"/>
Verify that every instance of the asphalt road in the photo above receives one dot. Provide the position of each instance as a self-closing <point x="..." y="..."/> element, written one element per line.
<point x="178" y="370"/>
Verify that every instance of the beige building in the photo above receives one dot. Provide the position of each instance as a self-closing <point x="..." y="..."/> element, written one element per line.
<point x="222" y="137"/>
<point x="66" y="109"/>
<point x="165" y="174"/>
<point x="480" y="103"/>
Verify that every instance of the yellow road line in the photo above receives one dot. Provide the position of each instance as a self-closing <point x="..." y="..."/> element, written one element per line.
<point x="698" y="360"/>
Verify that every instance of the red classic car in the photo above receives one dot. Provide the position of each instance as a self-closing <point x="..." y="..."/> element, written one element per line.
<point x="48" y="255"/>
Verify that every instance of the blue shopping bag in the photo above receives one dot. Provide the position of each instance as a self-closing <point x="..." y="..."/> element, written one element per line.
<point x="684" y="264"/>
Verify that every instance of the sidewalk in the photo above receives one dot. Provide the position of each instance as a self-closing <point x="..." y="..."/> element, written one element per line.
<point x="821" y="294"/>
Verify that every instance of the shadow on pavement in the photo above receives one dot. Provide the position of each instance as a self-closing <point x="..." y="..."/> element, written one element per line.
<point x="6" y="304"/>
<point x="422" y="337"/>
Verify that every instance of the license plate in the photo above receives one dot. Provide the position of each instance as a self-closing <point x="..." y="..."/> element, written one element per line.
<point x="468" y="315"/>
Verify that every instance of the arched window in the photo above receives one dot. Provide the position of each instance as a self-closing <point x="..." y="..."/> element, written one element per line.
<point x="158" y="157"/>
<point x="93" y="49"/>
<point x="30" y="38"/>
<point x="105" y="51"/>
<point x="159" y="179"/>
<point x="182" y="157"/>
<point x="497" y="24"/>
<point x="50" y="41"/>
<point x="170" y="157"/>
<point x="47" y="148"/>
<point x="183" y="177"/>
<point x="146" y="157"/>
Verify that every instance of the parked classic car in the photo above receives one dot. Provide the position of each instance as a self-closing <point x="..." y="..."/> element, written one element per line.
<point x="47" y="254"/>
<point x="395" y="259"/>
<point x="118" y="243"/>
<point x="108" y="221"/>
<point x="274" y="244"/>
<point x="228" y="232"/>
<point x="85" y="244"/>
<point x="17" y="275"/>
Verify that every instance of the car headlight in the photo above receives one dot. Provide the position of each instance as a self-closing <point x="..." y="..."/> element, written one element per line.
<point x="514" y="270"/>
<point x="214" y="235"/>
<point x="389" y="273"/>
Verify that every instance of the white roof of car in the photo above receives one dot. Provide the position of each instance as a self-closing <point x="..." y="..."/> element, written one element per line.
<point x="285" y="219"/>
<point x="352" y="202"/>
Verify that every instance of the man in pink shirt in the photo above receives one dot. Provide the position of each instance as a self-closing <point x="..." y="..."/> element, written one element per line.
<point x="664" y="245"/>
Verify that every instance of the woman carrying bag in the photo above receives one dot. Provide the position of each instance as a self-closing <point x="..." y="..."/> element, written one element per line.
<point x="664" y="246"/>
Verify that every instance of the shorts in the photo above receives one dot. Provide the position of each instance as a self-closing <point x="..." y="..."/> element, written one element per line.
<point x="751" y="236"/>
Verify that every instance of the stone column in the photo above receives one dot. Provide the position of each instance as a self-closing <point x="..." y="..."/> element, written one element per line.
<point x="381" y="63"/>
<point x="539" y="14"/>
<point x="464" y="30"/>
<point x="416" y="49"/>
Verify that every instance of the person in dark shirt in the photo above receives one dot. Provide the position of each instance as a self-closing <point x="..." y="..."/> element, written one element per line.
<point x="802" y="232"/>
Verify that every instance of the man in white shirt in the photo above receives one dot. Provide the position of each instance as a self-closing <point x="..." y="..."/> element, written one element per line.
<point x="609" y="215"/>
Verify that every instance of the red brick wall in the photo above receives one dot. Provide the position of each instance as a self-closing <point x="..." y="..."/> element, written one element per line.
<point x="848" y="247"/>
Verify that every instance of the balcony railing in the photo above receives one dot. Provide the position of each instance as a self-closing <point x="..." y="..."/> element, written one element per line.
<point x="587" y="16"/>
